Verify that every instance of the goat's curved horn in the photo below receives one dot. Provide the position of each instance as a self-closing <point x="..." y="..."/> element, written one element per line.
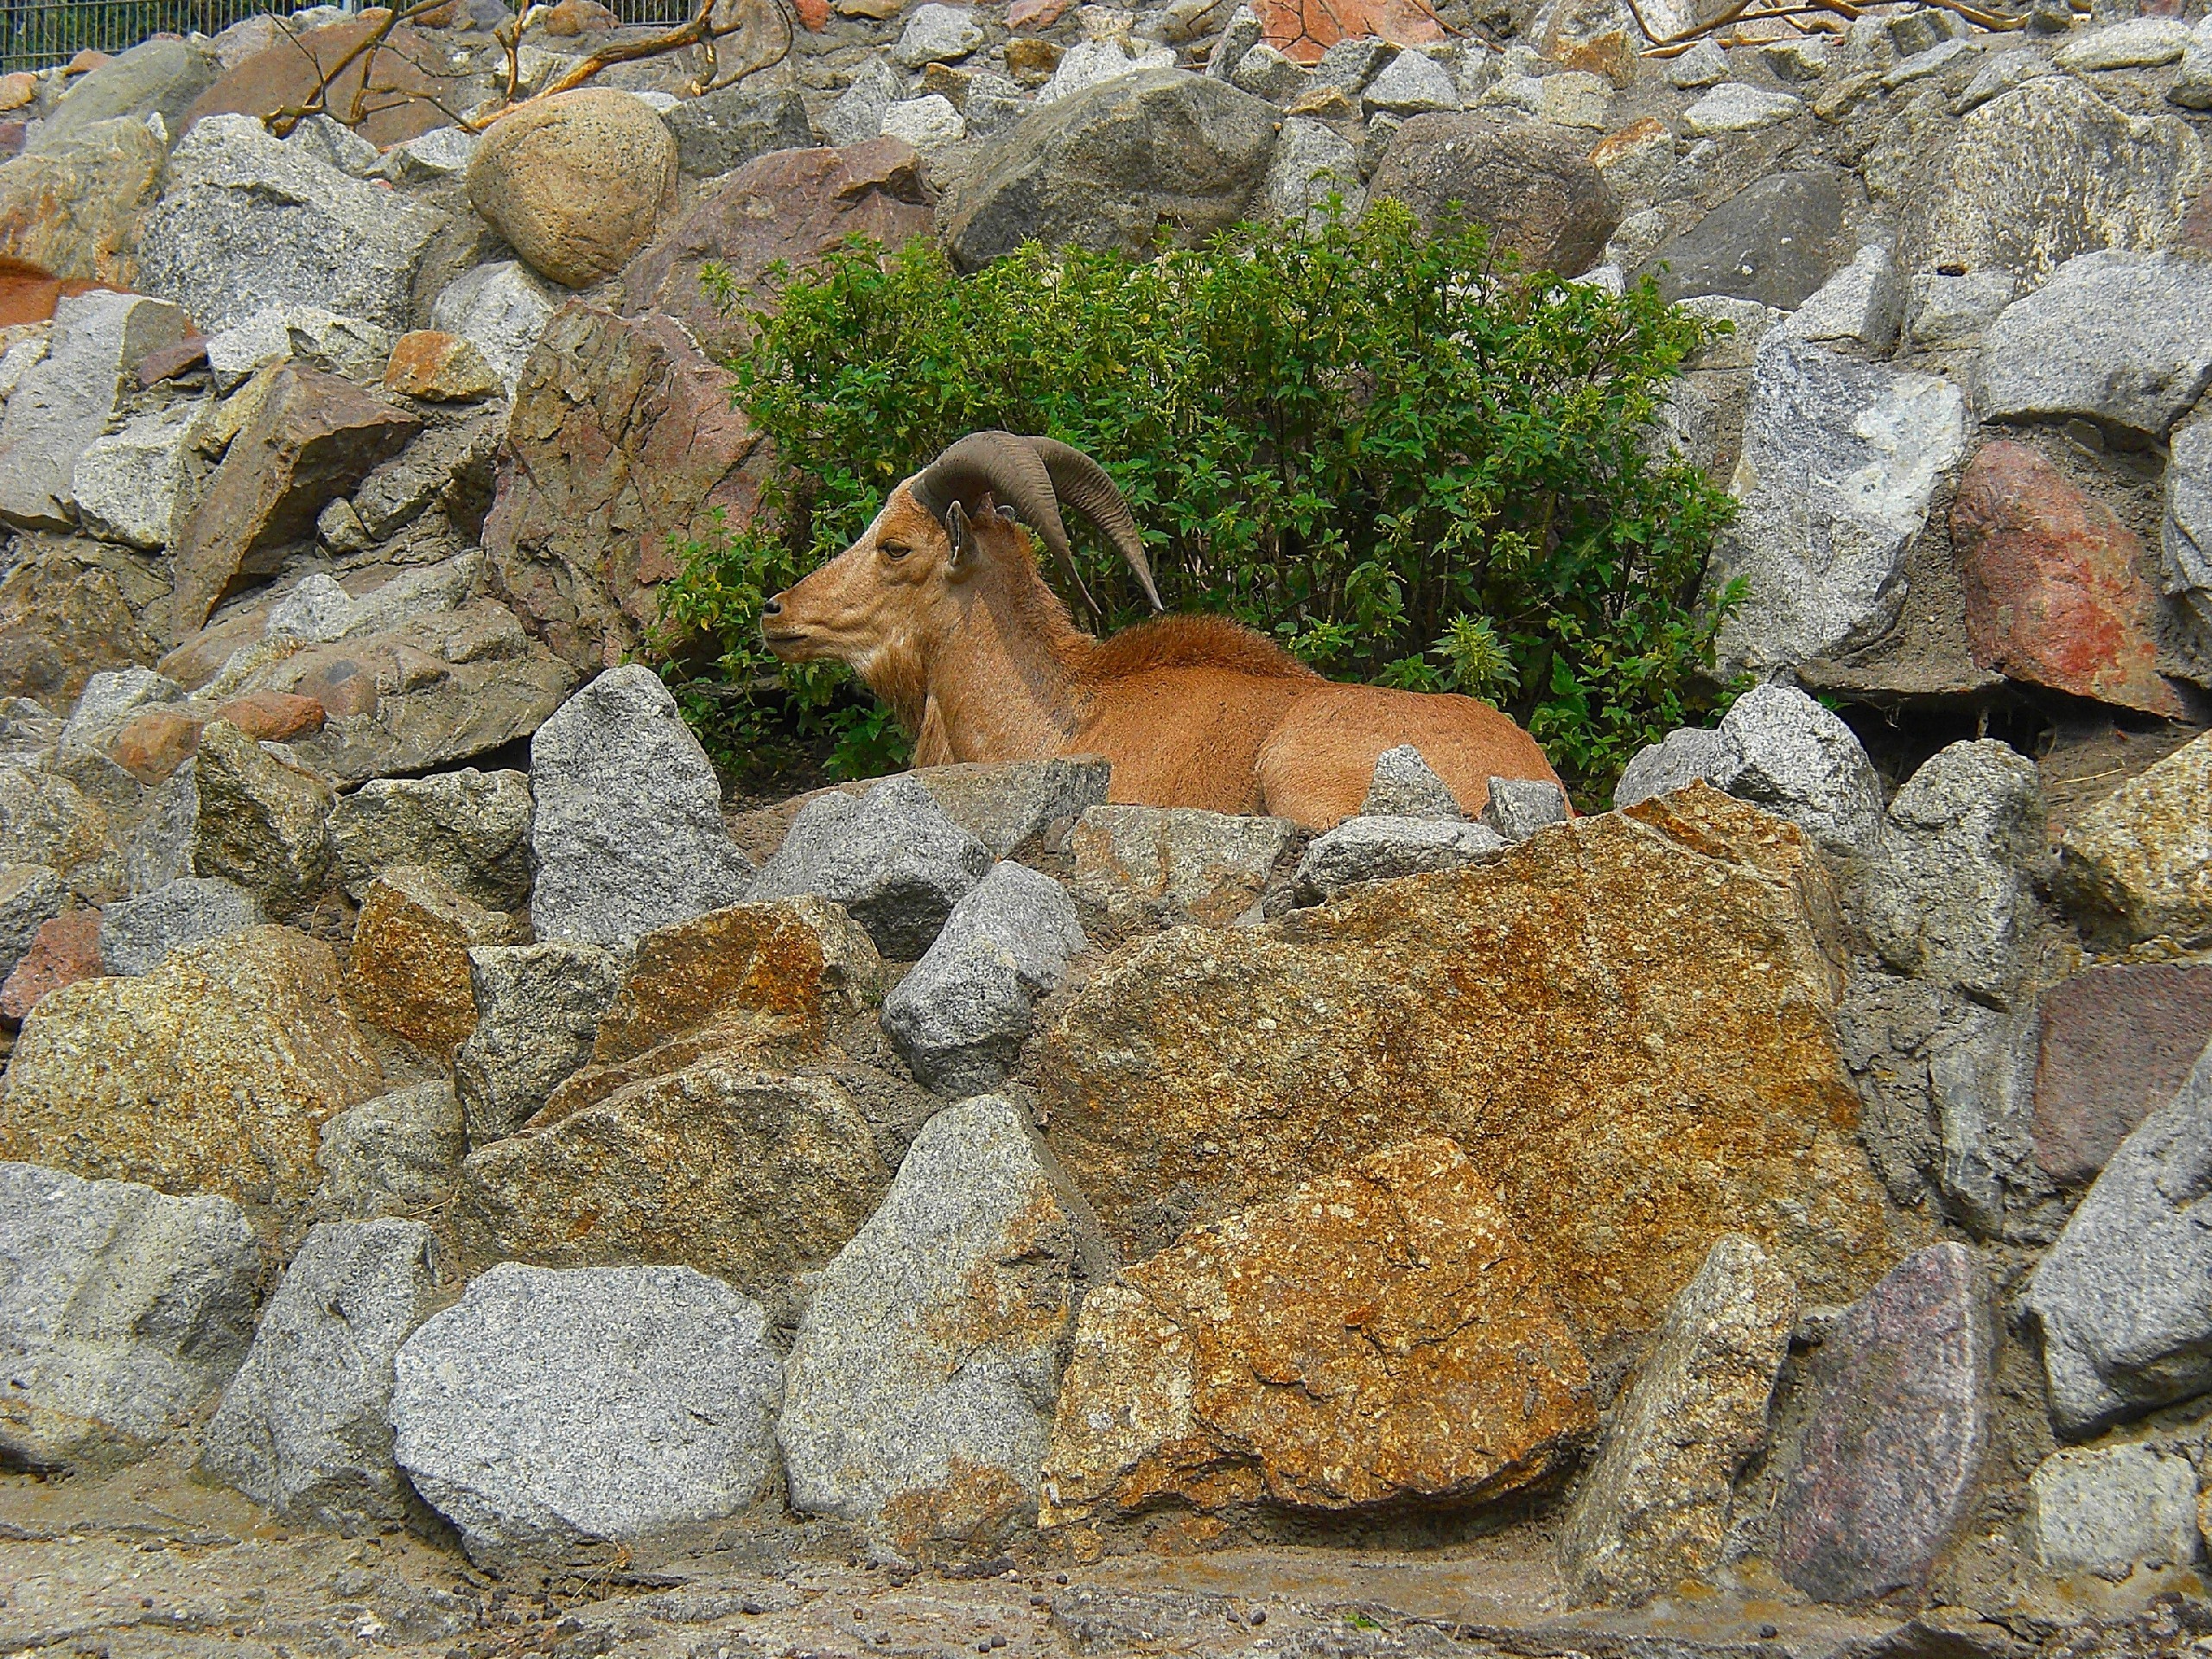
<point x="1010" y="468"/>
<point x="1083" y="484"/>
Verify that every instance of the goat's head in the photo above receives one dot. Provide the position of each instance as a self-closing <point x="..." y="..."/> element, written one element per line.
<point x="940" y="538"/>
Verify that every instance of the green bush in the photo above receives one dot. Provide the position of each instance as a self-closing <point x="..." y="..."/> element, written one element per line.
<point x="1396" y="455"/>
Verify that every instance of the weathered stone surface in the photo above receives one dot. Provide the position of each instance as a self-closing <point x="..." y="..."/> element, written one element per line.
<point x="161" y="76"/>
<point x="396" y="1154"/>
<point x="2050" y="170"/>
<point x="304" y="1427"/>
<point x="1311" y="163"/>
<point x="439" y="368"/>
<point x="1011" y="804"/>
<point x="1088" y="64"/>
<point x="1265" y="73"/>
<point x="409" y="971"/>
<point x="936" y="34"/>
<point x="1776" y="242"/>
<point x="31" y="895"/>
<point x="793" y="205"/>
<point x="1677" y="760"/>
<point x="1891" y="1455"/>
<point x="121" y="1310"/>
<point x="213" y="1073"/>
<point x="73" y="208"/>
<point x="1140" y="867"/>
<point x="568" y="1419"/>
<point x="2056" y="590"/>
<point x="1945" y="311"/>
<point x="2124" y="1297"/>
<point x="414" y="82"/>
<point x="346" y="346"/>
<point x="2140" y="861"/>
<point x="126" y="484"/>
<point x="1295" y="1352"/>
<point x="1404" y="787"/>
<point x="1106" y="167"/>
<point x="260" y="823"/>
<point x="501" y="309"/>
<point x="453" y="467"/>
<point x="137" y="935"/>
<point x="2108" y="1511"/>
<point x="960" y="1018"/>
<point x="1839" y="463"/>
<point x="1518" y="807"/>
<point x="63" y="403"/>
<point x="1305" y="29"/>
<point x="1559" y="1006"/>
<point x="2124" y="338"/>
<point x="1381" y="849"/>
<point x="2185" y="536"/>
<point x="628" y="833"/>
<point x="1532" y="183"/>
<point x="622" y="435"/>
<point x="315" y="436"/>
<point x="63" y="619"/>
<point x="892" y="858"/>
<point x="1863" y="304"/>
<point x="63" y="951"/>
<point x="2115" y="1043"/>
<point x="1946" y="891"/>
<point x="576" y="181"/>
<point x="1737" y="106"/>
<point x="926" y="1370"/>
<point x="734" y="125"/>
<point x="1799" y="761"/>
<point x="537" y="1010"/>
<point x="46" y="819"/>
<point x="1653" y="1509"/>
<point x="471" y="826"/>
<point x="244" y="223"/>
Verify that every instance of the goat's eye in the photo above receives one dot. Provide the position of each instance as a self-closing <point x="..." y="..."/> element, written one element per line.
<point x="893" y="550"/>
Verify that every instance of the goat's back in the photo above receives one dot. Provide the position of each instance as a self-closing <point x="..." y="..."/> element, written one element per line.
<point x="1316" y="765"/>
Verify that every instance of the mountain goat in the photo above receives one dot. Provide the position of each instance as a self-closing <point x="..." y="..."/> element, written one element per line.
<point x="939" y="607"/>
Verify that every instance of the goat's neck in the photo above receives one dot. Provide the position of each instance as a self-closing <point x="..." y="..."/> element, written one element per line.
<point x="999" y="683"/>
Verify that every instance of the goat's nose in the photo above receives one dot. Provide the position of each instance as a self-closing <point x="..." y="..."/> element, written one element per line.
<point x="772" y="607"/>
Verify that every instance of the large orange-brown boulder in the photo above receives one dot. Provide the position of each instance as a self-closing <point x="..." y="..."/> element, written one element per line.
<point x="1380" y="1336"/>
<point x="1626" y="1019"/>
<point x="577" y="181"/>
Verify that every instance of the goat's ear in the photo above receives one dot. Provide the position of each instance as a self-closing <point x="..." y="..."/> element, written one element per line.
<point x="961" y="535"/>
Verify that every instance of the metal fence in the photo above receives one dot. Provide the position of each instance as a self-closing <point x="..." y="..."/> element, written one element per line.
<point x="39" y="34"/>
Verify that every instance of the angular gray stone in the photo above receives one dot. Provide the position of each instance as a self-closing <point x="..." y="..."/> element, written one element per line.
<point x="993" y="105"/>
<point x="537" y="1010"/>
<point x="2124" y="1297"/>
<point x="501" y="309"/>
<point x="1860" y="305"/>
<point x="2192" y="87"/>
<point x="893" y="859"/>
<point x="335" y="144"/>
<point x="928" y="123"/>
<point x="1351" y="62"/>
<point x="1379" y="849"/>
<point x="1531" y="183"/>
<point x="1311" y="163"/>
<point x="927" y="1365"/>
<point x="566" y="1418"/>
<point x="857" y="115"/>
<point x="304" y="1427"/>
<point x="261" y="822"/>
<point x="63" y="403"/>
<point x="1404" y="787"/>
<point x="157" y="850"/>
<point x="1891" y="1453"/>
<point x="1737" y="106"/>
<point x="628" y="833"/>
<point x="1801" y="762"/>
<point x="46" y="819"/>
<point x="1675" y="761"/>
<point x="1106" y="166"/>
<point x="1092" y="63"/>
<point x="1267" y="72"/>
<point x="960" y="1018"/>
<point x="1410" y="84"/>
<point x="2110" y="1509"/>
<point x="1653" y="1509"/>
<point x="2123" y="338"/>
<point x="1704" y="65"/>
<point x="31" y="895"/>
<point x="2185" y="541"/>
<point x="347" y="347"/>
<point x="244" y="224"/>
<point x="393" y="1155"/>
<point x="471" y="827"/>
<point x="1777" y="241"/>
<point x="121" y="1310"/>
<point x="2136" y="43"/>
<point x="936" y="34"/>
<point x="1518" y="807"/>
<point x="126" y="484"/>
<point x="155" y="77"/>
<point x="729" y="126"/>
<point x="1138" y="868"/>
<point x="1239" y="36"/>
<point x="1946" y="892"/>
<point x="1010" y="805"/>
<point x="1946" y="311"/>
<point x="137" y="935"/>
<point x="1840" y="460"/>
<point x="111" y="697"/>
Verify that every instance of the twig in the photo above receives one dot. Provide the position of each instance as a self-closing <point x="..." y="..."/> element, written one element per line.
<point x="1757" y="11"/>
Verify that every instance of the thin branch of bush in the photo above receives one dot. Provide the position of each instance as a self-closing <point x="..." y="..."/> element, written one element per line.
<point x="1739" y="12"/>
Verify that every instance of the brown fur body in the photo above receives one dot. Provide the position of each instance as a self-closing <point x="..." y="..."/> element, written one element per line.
<point x="978" y="658"/>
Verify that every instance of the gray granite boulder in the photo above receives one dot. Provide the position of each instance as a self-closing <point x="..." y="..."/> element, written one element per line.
<point x="2122" y="338"/>
<point x="501" y="309"/>
<point x="1378" y="849"/>
<point x="394" y="1155"/>
<point x="2110" y="1509"/>
<point x="537" y="1009"/>
<point x="1518" y="807"/>
<point x="1799" y="761"/>
<point x="1311" y="163"/>
<point x="304" y="1427"/>
<point x="926" y="1368"/>
<point x="1777" y="241"/>
<point x="121" y="1310"/>
<point x="893" y="859"/>
<point x="1404" y="787"/>
<point x="2186" y="540"/>
<point x="960" y="1018"/>
<point x="31" y="895"/>
<point x="2124" y="1297"/>
<point x="563" y="1419"/>
<point x="723" y="130"/>
<point x="136" y="935"/>
<point x="1677" y="760"/>
<point x="161" y="76"/>
<point x="471" y="827"/>
<point x="628" y="834"/>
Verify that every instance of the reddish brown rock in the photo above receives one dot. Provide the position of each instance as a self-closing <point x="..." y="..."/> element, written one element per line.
<point x="74" y="210"/>
<point x="2058" y="594"/>
<point x="411" y="75"/>
<point x="1379" y="1336"/>
<point x="813" y="15"/>
<point x="572" y="17"/>
<point x="18" y="89"/>
<point x="2117" y="1043"/>
<point x="272" y="716"/>
<point x="169" y="361"/>
<point x="62" y="621"/>
<point x="63" y="951"/>
<point x="316" y="436"/>
<point x="622" y="436"/>
<point x="408" y="970"/>
<point x="1036" y="14"/>
<point x="1304" y="29"/>
<point x="439" y="368"/>
<point x="790" y="206"/>
<point x="152" y="745"/>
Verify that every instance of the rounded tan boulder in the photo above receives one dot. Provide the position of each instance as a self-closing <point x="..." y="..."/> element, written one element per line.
<point x="576" y="181"/>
